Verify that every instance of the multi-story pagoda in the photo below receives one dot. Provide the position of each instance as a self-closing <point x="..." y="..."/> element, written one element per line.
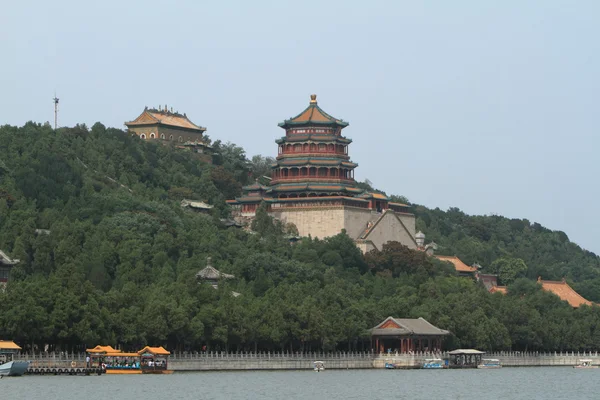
<point x="312" y="186"/>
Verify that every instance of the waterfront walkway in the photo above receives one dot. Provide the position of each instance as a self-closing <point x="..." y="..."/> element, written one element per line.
<point x="221" y="361"/>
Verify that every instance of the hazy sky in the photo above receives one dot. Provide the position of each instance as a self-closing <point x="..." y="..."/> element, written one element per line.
<point x="489" y="106"/>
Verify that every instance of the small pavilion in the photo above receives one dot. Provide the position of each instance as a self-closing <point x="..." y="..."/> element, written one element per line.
<point x="6" y="264"/>
<point x="406" y="335"/>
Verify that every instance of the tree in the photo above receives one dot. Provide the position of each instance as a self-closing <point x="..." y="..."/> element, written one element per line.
<point x="508" y="269"/>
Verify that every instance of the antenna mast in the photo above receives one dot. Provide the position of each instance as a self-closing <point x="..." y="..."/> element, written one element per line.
<point x="55" y="111"/>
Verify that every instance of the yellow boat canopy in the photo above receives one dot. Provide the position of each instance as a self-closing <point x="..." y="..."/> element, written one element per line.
<point x="103" y="349"/>
<point x="10" y="345"/>
<point x="157" y="351"/>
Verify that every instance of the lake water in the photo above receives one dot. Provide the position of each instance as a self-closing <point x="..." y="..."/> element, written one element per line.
<point x="507" y="383"/>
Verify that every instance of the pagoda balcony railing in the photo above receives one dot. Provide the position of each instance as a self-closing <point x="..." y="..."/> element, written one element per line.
<point x="308" y="179"/>
<point x="336" y="154"/>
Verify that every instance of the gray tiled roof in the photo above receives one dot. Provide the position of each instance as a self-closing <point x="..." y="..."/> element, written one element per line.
<point x="408" y="327"/>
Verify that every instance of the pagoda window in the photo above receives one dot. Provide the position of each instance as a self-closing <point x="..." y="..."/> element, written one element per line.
<point x="312" y="171"/>
<point x="294" y="172"/>
<point x="180" y="139"/>
<point x="280" y="149"/>
<point x="143" y="136"/>
<point x="303" y="171"/>
<point x="334" y="171"/>
<point x="297" y="148"/>
<point x="330" y="148"/>
<point x="162" y="136"/>
<point x="313" y="147"/>
<point x="305" y="148"/>
<point x="152" y="136"/>
<point x="288" y="148"/>
<point x="284" y="172"/>
<point x="302" y="195"/>
<point x="170" y="137"/>
<point x="321" y="147"/>
<point x="312" y="195"/>
<point x="322" y="172"/>
<point x="283" y="196"/>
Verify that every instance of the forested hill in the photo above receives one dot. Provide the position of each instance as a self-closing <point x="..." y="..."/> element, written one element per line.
<point x="109" y="256"/>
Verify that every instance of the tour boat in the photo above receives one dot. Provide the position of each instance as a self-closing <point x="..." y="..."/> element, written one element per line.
<point x="587" y="364"/>
<point x="319" y="366"/>
<point x="390" y="365"/>
<point x="149" y="360"/>
<point x="489" y="363"/>
<point x="433" y="363"/>
<point x="13" y="368"/>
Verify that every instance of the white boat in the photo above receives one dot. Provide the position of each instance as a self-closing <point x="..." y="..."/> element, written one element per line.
<point x="13" y="368"/>
<point x="586" y="363"/>
<point x="319" y="366"/>
<point x="433" y="363"/>
<point x="489" y="363"/>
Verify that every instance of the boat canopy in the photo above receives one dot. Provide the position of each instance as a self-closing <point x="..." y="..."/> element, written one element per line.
<point x="8" y="347"/>
<point x="157" y="351"/>
<point x="103" y="349"/>
<point x="465" y="351"/>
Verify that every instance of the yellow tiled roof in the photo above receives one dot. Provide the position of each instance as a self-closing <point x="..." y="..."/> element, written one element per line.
<point x="9" y="345"/>
<point x="565" y="292"/>
<point x="458" y="264"/>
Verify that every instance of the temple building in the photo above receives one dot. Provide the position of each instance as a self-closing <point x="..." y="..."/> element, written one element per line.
<point x="164" y="124"/>
<point x="312" y="186"/>
<point x="560" y="288"/>
<point x="461" y="268"/>
<point x="404" y="335"/>
<point x="6" y="264"/>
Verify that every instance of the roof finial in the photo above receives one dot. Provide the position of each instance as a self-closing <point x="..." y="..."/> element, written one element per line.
<point x="313" y="99"/>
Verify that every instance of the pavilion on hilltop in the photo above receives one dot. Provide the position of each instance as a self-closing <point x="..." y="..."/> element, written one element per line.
<point x="170" y="126"/>
<point x="312" y="186"/>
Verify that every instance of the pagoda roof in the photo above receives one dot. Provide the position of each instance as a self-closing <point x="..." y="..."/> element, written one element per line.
<point x="313" y="115"/>
<point x="211" y="273"/>
<point x="196" y="204"/>
<point x="314" y="161"/>
<point x="563" y="290"/>
<point x="164" y="117"/>
<point x="6" y="260"/>
<point x="373" y="195"/>
<point x="249" y="199"/>
<point x="407" y="327"/>
<point x="317" y="198"/>
<point x="498" y="289"/>
<point x="255" y="186"/>
<point x="458" y="264"/>
<point x="291" y="187"/>
<point x="313" y="137"/>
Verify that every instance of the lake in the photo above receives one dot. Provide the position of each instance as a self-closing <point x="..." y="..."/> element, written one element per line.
<point x="555" y="383"/>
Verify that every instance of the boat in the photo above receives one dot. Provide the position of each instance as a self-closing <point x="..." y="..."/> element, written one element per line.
<point x="319" y="366"/>
<point x="465" y="358"/>
<point x="489" y="363"/>
<point x="433" y="363"/>
<point x="149" y="360"/>
<point x="390" y="365"/>
<point x="13" y="368"/>
<point x="585" y="364"/>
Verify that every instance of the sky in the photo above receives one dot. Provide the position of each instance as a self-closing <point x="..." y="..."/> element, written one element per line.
<point x="488" y="106"/>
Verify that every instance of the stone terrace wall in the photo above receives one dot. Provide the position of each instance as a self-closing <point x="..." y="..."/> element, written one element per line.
<point x="216" y="361"/>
